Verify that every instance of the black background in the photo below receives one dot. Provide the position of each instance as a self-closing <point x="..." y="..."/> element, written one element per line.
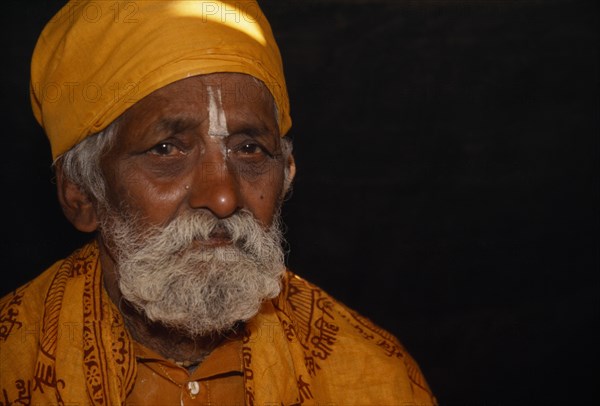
<point x="447" y="181"/>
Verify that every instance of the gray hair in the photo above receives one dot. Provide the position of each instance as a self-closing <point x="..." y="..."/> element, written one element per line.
<point x="81" y="164"/>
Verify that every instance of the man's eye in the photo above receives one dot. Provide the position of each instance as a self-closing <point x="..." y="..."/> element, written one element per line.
<point x="251" y="149"/>
<point x="164" y="149"/>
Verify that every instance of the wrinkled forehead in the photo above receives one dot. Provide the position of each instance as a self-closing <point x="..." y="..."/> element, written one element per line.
<point x="237" y="88"/>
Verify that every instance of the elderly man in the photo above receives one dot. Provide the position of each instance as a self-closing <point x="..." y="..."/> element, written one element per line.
<point x="166" y="120"/>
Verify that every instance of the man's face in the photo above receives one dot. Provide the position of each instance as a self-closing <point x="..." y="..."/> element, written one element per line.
<point x="194" y="182"/>
<point x="206" y="142"/>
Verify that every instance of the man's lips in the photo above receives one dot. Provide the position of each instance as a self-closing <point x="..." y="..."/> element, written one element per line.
<point x="216" y="239"/>
<point x="214" y="242"/>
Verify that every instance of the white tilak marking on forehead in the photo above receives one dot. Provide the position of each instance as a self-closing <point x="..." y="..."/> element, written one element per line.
<point x="217" y="122"/>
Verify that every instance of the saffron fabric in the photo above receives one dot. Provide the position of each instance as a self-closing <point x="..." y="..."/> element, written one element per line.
<point x="63" y="341"/>
<point x="94" y="59"/>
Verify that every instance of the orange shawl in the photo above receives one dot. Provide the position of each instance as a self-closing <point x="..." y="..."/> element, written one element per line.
<point x="63" y="341"/>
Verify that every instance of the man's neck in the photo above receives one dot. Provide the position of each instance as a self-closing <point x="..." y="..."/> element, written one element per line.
<point x="171" y="344"/>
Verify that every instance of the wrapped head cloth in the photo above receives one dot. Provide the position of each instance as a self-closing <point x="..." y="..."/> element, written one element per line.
<point x="94" y="59"/>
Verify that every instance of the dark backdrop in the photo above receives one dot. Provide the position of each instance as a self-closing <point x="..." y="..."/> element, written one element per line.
<point x="447" y="180"/>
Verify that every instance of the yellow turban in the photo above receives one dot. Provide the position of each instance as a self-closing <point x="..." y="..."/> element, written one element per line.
<point x="94" y="59"/>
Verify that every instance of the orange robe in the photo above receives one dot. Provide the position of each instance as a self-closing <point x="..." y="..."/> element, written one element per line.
<point x="62" y="341"/>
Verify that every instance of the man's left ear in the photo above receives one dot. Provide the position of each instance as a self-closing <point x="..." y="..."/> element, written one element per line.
<point x="76" y="204"/>
<point x="290" y="173"/>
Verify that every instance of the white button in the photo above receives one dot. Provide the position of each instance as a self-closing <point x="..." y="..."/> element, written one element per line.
<point x="193" y="387"/>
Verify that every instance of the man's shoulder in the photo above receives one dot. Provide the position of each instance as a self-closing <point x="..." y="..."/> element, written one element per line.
<point x="337" y="341"/>
<point x="21" y="318"/>
<point x="25" y="303"/>
<point x="321" y="320"/>
<point x="315" y="311"/>
<point x="24" y="308"/>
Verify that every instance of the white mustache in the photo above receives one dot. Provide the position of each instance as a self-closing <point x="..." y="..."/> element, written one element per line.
<point x="201" y="226"/>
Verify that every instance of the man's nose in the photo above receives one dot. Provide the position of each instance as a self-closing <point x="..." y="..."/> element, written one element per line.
<point x="215" y="187"/>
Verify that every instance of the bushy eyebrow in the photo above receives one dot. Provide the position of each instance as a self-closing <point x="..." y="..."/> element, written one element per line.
<point x="252" y="131"/>
<point x="175" y="125"/>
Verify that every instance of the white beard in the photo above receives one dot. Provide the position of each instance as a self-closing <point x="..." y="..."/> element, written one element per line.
<point x="198" y="290"/>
